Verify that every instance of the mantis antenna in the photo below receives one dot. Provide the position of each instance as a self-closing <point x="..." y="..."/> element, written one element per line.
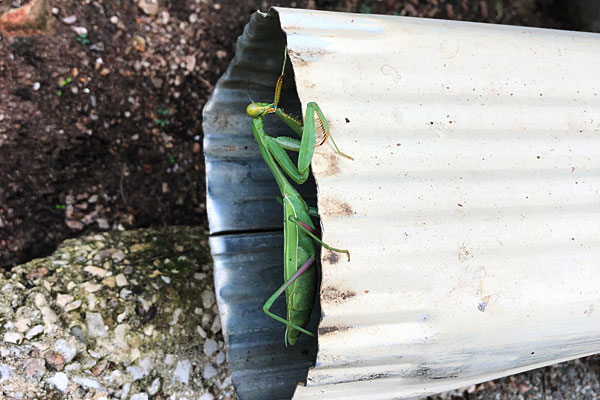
<point x="248" y="91"/>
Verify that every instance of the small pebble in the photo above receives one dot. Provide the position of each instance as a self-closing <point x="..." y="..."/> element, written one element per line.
<point x="95" y="324"/>
<point x="121" y="335"/>
<point x="109" y="281"/>
<point x="216" y="325"/>
<point x="135" y="372"/>
<point x="79" y="30"/>
<point x="182" y="371"/>
<point x="54" y="359"/>
<point x="135" y="354"/>
<point x="126" y="389"/>
<point x="91" y="287"/>
<point x="22" y="324"/>
<point x="148" y="330"/>
<point x="121" y="280"/>
<point x="60" y="380"/>
<point x="71" y="19"/>
<point x="118" y="256"/>
<point x="208" y="298"/>
<point x="169" y="359"/>
<point x="87" y="382"/>
<point x="176" y="315"/>
<point x="33" y="332"/>
<point x="5" y="371"/>
<point x="73" y="306"/>
<point x="210" y="347"/>
<point x="13" y="337"/>
<point x="91" y="299"/>
<point x="66" y="349"/>
<point x="154" y="387"/>
<point x="209" y="371"/>
<point x="201" y="332"/>
<point x="63" y="299"/>
<point x="75" y="366"/>
<point x="78" y="334"/>
<point x="99" y="272"/>
<point x="121" y="317"/>
<point x="34" y="368"/>
<point x="138" y="247"/>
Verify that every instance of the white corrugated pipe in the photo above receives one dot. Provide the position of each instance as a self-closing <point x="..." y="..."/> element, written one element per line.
<point x="471" y="209"/>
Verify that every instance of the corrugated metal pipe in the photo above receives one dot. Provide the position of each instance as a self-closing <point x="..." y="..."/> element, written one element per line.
<point x="471" y="208"/>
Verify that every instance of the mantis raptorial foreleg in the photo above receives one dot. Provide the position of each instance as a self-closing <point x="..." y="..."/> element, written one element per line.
<point x="305" y="147"/>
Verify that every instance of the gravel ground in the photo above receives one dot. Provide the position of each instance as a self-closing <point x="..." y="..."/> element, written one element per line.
<point x="114" y="316"/>
<point x="577" y="379"/>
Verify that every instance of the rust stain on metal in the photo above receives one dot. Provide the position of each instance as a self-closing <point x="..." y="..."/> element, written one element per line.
<point x="371" y="377"/>
<point x="333" y="166"/>
<point x="308" y="83"/>
<point x="305" y="56"/>
<point x="332" y="294"/>
<point x="334" y="207"/>
<point x="324" y="330"/>
<point x="332" y="257"/>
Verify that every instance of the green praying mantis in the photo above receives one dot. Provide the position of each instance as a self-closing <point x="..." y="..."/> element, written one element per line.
<point x="300" y="273"/>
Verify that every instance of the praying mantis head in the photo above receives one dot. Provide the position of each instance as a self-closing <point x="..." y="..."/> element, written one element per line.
<point x="260" y="109"/>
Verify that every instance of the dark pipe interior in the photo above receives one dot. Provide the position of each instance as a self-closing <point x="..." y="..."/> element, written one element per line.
<point x="246" y="220"/>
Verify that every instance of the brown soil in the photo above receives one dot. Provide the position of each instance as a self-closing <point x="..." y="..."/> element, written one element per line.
<point x="103" y="131"/>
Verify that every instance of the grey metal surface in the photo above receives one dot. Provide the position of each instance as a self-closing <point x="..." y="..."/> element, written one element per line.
<point x="245" y="220"/>
<point x="248" y="269"/>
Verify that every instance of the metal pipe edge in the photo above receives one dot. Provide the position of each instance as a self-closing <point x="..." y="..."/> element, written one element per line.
<point x="245" y="221"/>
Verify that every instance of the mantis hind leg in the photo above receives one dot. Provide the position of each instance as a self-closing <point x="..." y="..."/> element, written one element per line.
<point x="278" y="292"/>
<point x="301" y="225"/>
